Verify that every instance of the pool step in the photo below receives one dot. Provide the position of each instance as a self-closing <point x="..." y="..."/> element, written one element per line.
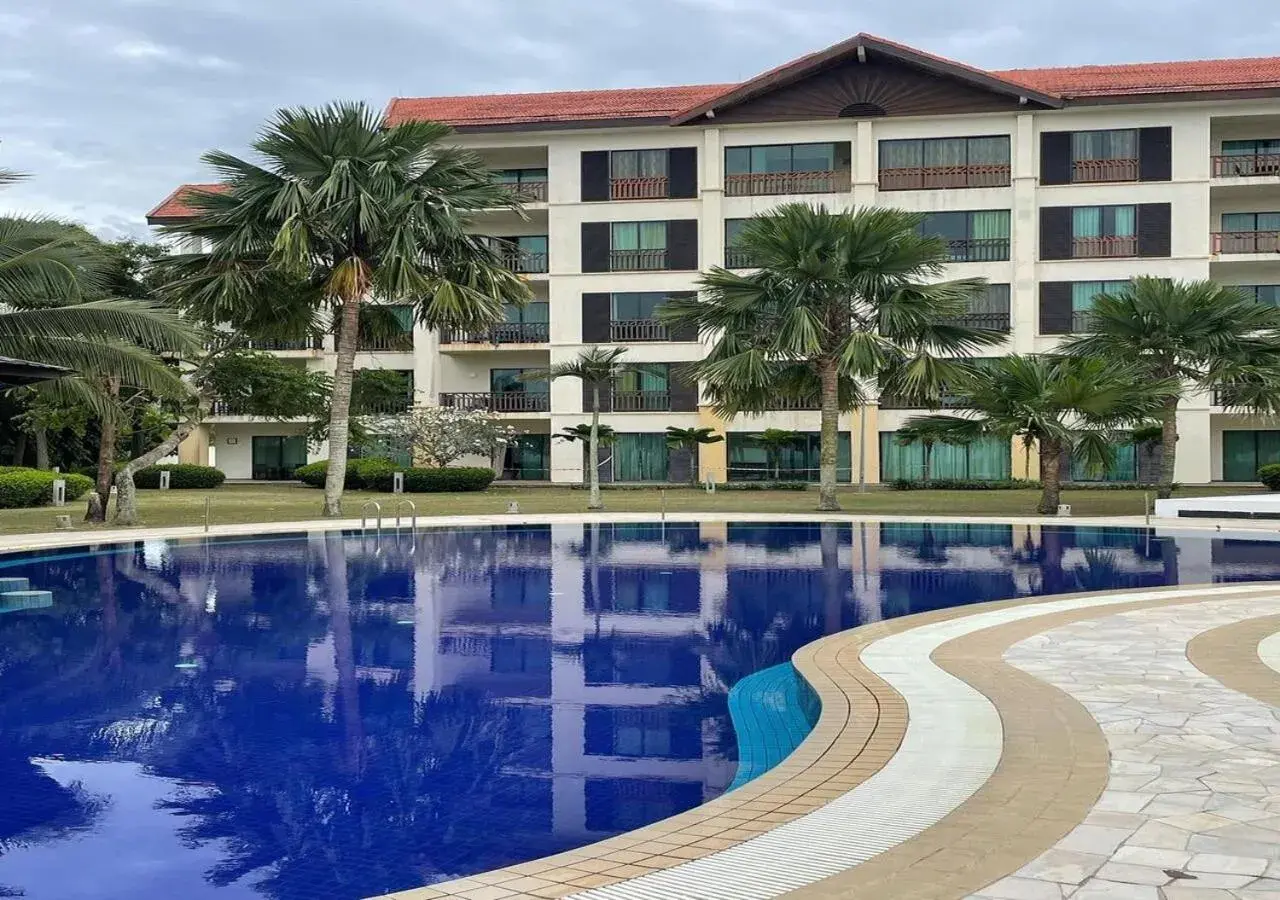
<point x="14" y="584"/>
<point x="12" y="601"/>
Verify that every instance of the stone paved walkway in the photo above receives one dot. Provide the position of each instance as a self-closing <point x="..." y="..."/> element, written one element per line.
<point x="1191" y="810"/>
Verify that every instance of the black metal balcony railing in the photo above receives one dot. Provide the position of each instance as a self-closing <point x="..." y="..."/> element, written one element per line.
<point x="637" y="260"/>
<point x="1246" y="166"/>
<point x="653" y="187"/>
<point x="313" y="343"/>
<point x="530" y="191"/>
<point x="499" y="401"/>
<point x="946" y="401"/>
<point x="393" y="343"/>
<point x="383" y="406"/>
<point x="628" y="330"/>
<point x="641" y="401"/>
<point x="736" y="258"/>
<point x="771" y="183"/>
<point x="226" y="408"/>
<point x="924" y="178"/>
<point x="1246" y="242"/>
<point x="1103" y="247"/>
<point x="792" y="404"/>
<point x="1086" y="170"/>
<point x="506" y="333"/>
<point x="979" y="249"/>
<point x="524" y="262"/>
<point x="991" y="321"/>
<point x="1076" y="322"/>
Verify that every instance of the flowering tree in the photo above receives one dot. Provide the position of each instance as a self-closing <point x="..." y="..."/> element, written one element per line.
<point x="442" y="434"/>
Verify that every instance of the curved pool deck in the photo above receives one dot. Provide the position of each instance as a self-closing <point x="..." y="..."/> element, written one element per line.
<point x="1107" y="745"/>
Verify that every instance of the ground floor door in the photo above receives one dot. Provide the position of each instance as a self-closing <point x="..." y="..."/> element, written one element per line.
<point x="1243" y="452"/>
<point x="275" y="457"/>
<point x="528" y="458"/>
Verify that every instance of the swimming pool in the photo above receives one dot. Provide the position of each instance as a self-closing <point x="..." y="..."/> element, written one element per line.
<point x="331" y="716"/>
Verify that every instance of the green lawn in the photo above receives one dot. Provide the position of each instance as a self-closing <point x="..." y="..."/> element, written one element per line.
<point x="244" y="503"/>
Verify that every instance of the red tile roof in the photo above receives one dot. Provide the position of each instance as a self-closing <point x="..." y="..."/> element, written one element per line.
<point x="1152" y="78"/>
<point x="175" y="205"/>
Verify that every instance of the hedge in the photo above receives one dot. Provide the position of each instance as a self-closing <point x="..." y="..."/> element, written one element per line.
<point x="955" y="484"/>
<point x="436" y="481"/>
<point x="182" y="476"/>
<point x="362" y="473"/>
<point x="1269" y="475"/>
<point x="34" y="487"/>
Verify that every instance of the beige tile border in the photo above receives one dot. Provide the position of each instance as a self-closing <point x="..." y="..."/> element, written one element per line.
<point x="1230" y="655"/>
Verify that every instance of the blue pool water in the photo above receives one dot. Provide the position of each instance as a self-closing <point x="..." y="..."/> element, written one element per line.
<point x="330" y="717"/>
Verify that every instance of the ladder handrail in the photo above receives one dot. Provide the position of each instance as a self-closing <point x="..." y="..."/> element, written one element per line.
<point x="413" y="512"/>
<point x="364" y="516"/>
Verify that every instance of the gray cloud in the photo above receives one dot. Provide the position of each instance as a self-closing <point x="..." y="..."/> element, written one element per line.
<point x="109" y="103"/>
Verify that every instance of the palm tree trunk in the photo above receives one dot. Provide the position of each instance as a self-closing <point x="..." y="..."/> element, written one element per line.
<point x="1168" y="447"/>
<point x="126" y="490"/>
<point x="42" y="448"/>
<point x="1050" y="477"/>
<point x="340" y="407"/>
<point x="928" y="461"/>
<point x="593" y="451"/>
<point x="348" y="688"/>
<point x="827" y="454"/>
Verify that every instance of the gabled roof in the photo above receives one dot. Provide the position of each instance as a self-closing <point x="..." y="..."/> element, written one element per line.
<point x="856" y="48"/>
<point x="175" y="205"/>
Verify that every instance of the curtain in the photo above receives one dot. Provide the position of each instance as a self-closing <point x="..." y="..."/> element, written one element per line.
<point x="813" y="158"/>
<point x="992" y="223"/>
<point x="1126" y="221"/>
<point x="1243" y="148"/>
<point x="640" y="457"/>
<point x="1269" y="221"/>
<point x="1124" y="466"/>
<point x="625" y="236"/>
<point x="945" y="152"/>
<point x="1082" y="294"/>
<point x="990" y="459"/>
<point x="653" y="235"/>
<point x="900" y="462"/>
<point x="1121" y="144"/>
<point x="1086" y="222"/>
<point x="652" y="163"/>
<point x="947" y="461"/>
<point x="989" y="150"/>
<point x="901" y="154"/>
<point x="771" y="159"/>
<point x="532" y="243"/>
<point x="994" y="299"/>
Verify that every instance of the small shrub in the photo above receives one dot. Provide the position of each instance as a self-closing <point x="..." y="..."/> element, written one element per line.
<point x="437" y="481"/>
<point x="182" y="476"/>
<point x="1270" y="476"/>
<point x="21" y="488"/>
<point x="362" y="474"/>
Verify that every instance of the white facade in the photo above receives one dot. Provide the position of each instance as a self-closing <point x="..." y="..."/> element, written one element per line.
<point x="1197" y="200"/>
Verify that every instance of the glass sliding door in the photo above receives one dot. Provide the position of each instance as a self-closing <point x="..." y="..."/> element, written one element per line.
<point x="1244" y="452"/>
<point x="275" y="457"/>
<point x="640" y="457"/>
<point x="528" y="458"/>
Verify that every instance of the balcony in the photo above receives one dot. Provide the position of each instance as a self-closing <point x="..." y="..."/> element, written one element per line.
<point x="925" y="178"/>
<point x="1226" y="242"/>
<point x="1104" y="247"/>
<point x="990" y="321"/>
<point x="524" y="262"/>
<point x="1076" y="322"/>
<point x="499" y="402"/>
<point x="1250" y="166"/>
<point x="978" y="249"/>
<point x="793" y="404"/>
<point x="735" y="258"/>
<point x="305" y="344"/>
<point x="637" y="260"/>
<point x="386" y="406"/>
<point x="946" y="401"/>
<point x="506" y="333"/>
<point x="529" y="191"/>
<point x="387" y="343"/>
<point x="763" y="184"/>
<point x="1084" y="171"/>
<point x="637" y="330"/>
<point x="641" y="401"/>
<point x="227" y="408"/>
<point x="656" y="187"/>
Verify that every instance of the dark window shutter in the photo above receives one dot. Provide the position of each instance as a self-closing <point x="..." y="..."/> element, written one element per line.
<point x="682" y="172"/>
<point x="595" y="175"/>
<point x="596" y="314"/>
<point x="683" y="390"/>
<point x="606" y="396"/>
<point x="1155" y="154"/>
<point x="1055" y="307"/>
<point x="595" y="246"/>
<point x="679" y="464"/>
<point x="844" y="159"/>
<point x="1055" y="157"/>
<point x="687" y="333"/>
<point x="1154" y="229"/>
<point x="682" y="244"/>
<point x="606" y="468"/>
<point x="1055" y="232"/>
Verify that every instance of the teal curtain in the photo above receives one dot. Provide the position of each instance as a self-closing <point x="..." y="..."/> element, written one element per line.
<point x="640" y="457"/>
<point x="1086" y="222"/>
<point x="530" y="312"/>
<point x="1126" y="221"/>
<point x="625" y="236"/>
<point x="987" y="459"/>
<point x="653" y="235"/>
<point x="645" y="377"/>
<point x="901" y="154"/>
<point x="636" y="305"/>
<point x="990" y="459"/>
<point x="813" y="158"/>
<point x="993" y="223"/>
<point x="1124" y="466"/>
<point x="945" y="152"/>
<point x="748" y="461"/>
<point x="988" y="151"/>
<point x="528" y="458"/>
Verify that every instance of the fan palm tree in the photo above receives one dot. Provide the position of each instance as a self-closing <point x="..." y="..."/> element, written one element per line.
<point x="1204" y="335"/>
<point x="597" y="367"/>
<point x="341" y="212"/>
<point x="774" y="441"/>
<point x="1065" y="404"/>
<point x="841" y="299"/>
<point x="691" y="439"/>
<point x="929" y="434"/>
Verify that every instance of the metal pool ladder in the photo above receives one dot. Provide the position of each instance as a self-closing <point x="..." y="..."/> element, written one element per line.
<point x="413" y="513"/>
<point x="364" y="515"/>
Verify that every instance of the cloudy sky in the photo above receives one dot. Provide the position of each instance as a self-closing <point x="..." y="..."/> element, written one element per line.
<point x="109" y="103"/>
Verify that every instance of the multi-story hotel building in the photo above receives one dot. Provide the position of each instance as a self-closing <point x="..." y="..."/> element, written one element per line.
<point x="1053" y="184"/>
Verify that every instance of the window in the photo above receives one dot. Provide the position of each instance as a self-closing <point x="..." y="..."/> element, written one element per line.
<point x="1267" y="294"/>
<point x="638" y="245"/>
<point x="1259" y="156"/>
<point x="734" y="257"/>
<point x="510" y="392"/>
<point x="1083" y="294"/>
<point x="527" y="458"/>
<point x="529" y="184"/>
<point x="640" y="457"/>
<point x="275" y="457"/>
<point x="1104" y="155"/>
<point x="786" y="169"/>
<point x="986" y="459"/>
<point x="520" y="656"/>
<point x="1244" y="452"/>
<point x="383" y="446"/>
<point x="638" y="174"/>
<point x="643" y="387"/>
<point x="526" y="253"/>
<point x="944" y="163"/>
<point x="1251" y="232"/>
<point x="990" y="309"/>
<point x="654" y="662"/>
<point x="1104" y="231"/>
<point x="637" y="732"/>
<point x="527" y="324"/>
<point x="797" y="460"/>
<point x="641" y="305"/>
<point x="981" y="236"/>
<point x="519" y="590"/>
<point x="1123" y="467"/>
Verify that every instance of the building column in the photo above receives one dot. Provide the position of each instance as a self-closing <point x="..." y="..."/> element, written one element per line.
<point x="864" y="444"/>
<point x="866" y="171"/>
<point x="1024" y="299"/>
<point x="1024" y="461"/>
<point x="713" y="459"/>
<point x="1194" y="461"/>
<point x="195" y="449"/>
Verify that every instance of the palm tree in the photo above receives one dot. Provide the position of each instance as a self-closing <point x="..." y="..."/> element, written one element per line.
<point x="774" y="441"/>
<point x="1065" y="404"/>
<point x="840" y="300"/>
<point x="929" y="435"/>
<point x="605" y="437"/>
<point x="691" y="439"/>
<point x="1204" y="335"/>
<point x="596" y="367"/>
<point x="340" y="213"/>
